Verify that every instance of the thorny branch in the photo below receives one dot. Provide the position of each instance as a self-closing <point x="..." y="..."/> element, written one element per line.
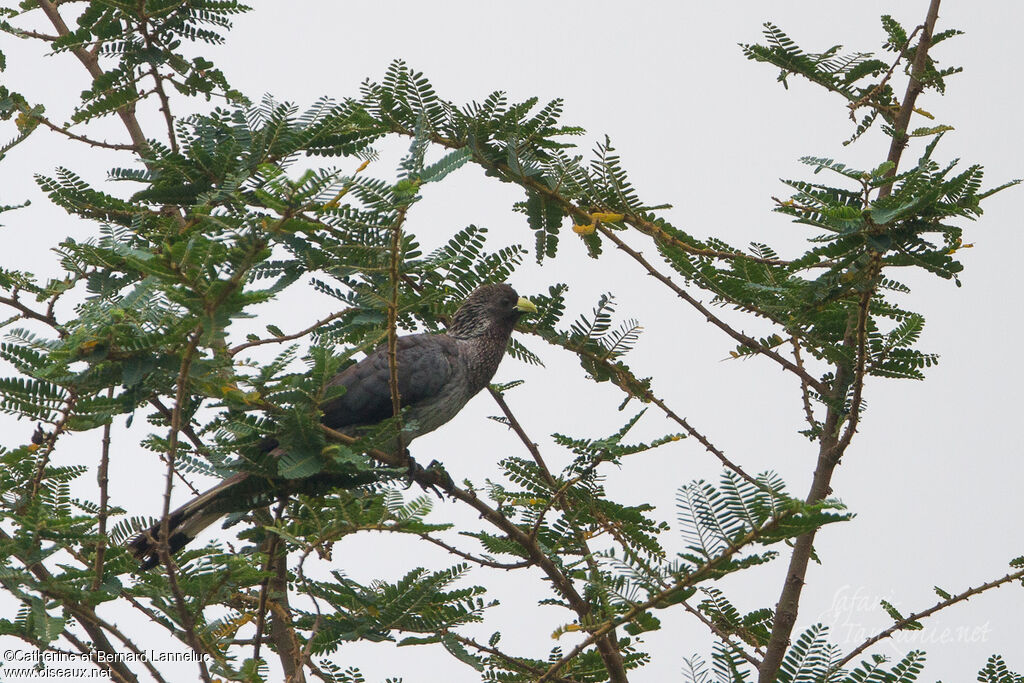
<point x="235" y="350"/>
<point x="101" y="520"/>
<point x="868" y="96"/>
<point x="917" y="616"/>
<point x="84" y="614"/>
<point x="660" y="236"/>
<point x="627" y="379"/>
<point x="79" y="138"/>
<point x="607" y="648"/>
<point x="805" y="394"/>
<point x="91" y="63"/>
<point x="510" y="661"/>
<point x="683" y="582"/>
<point x="832" y="445"/>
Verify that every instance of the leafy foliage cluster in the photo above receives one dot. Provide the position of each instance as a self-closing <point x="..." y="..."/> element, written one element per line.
<point x="226" y="214"/>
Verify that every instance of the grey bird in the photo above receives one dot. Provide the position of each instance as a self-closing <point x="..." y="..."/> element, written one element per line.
<point x="437" y="375"/>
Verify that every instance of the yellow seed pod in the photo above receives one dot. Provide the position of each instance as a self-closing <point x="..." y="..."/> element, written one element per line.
<point x="584" y="229"/>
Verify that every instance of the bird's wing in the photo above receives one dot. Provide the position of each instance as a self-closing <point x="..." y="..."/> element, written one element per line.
<point x="426" y="362"/>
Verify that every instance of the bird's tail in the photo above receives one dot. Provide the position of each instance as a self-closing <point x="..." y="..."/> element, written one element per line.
<point x="184" y="523"/>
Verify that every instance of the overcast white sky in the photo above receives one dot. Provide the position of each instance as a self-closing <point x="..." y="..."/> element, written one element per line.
<point x="934" y="474"/>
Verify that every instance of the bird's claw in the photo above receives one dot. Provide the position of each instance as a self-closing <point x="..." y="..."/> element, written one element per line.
<point x="431" y="478"/>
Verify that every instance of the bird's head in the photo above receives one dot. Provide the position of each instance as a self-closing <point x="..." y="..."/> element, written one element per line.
<point x="489" y="307"/>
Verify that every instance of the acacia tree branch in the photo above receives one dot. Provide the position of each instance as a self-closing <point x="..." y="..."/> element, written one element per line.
<point x="917" y="616"/>
<point x="805" y="393"/>
<point x="79" y="138"/>
<point x="270" y="547"/>
<point x="915" y="85"/>
<point x="482" y="561"/>
<point x="512" y="662"/>
<point x="29" y="313"/>
<point x="726" y="638"/>
<point x="866" y="99"/>
<point x="158" y="79"/>
<point x="163" y="535"/>
<point x="610" y="528"/>
<point x="833" y="446"/>
<point x="187" y="430"/>
<point x="393" y="271"/>
<point x="529" y="443"/>
<point x="274" y="593"/>
<point x="863" y="314"/>
<point x="90" y="61"/>
<point x="649" y="228"/>
<point x="742" y="338"/>
<point x="789" y="601"/>
<point x="648" y="396"/>
<point x="47" y="445"/>
<point x="694" y="577"/>
<point x="652" y="230"/>
<point x="161" y="543"/>
<point x="86" y="650"/>
<point x="101" y="519"/>
<point x="83" y="613"/>
<point x="282" y="631"/>
<point x="558" y="500"/>
<point x="235" y="350"/>
<point x="562" y="583"/>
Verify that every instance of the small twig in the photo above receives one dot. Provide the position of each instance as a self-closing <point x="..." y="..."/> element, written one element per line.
<point x="27" y="312"/>
<point x="861" y="335"/>
<point x="21" y="32"/>
<point x="854" y="106"/>
<point x="805" y="393"/>
<point x="513" y="662"/>
<point x="80" y="138"/>
<point x="165" y="103"/>
<point x="649" y="396"/>
<point x="307" y="649"/>
<point x="722" y="635"/>
<point x="747" y="341"/>
<point x="556" y="499"/>
<point x="473" y="558"/>
<point x="188" y="432"/>
<point x="288" y="337"/>
<point x="530" y="444"/>
<point x="127" y="642"/>
<point x="49" y="443"/>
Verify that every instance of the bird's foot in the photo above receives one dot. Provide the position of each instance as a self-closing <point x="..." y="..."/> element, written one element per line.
<point x="432" y="478"/>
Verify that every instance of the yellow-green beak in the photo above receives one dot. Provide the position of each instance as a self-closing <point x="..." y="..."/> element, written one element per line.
<point x="524" y="305"/>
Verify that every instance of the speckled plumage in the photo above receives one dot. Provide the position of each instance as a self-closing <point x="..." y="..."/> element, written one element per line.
<point x="437" y="375"/>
